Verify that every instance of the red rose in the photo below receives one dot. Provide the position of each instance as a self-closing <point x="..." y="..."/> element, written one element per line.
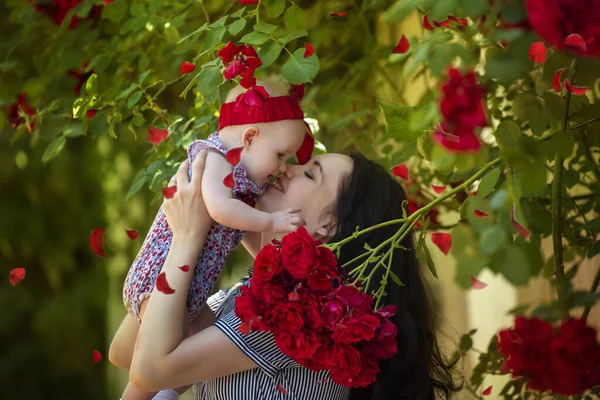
<point x="354" y="298"/>
<point x="334" y="310"/>
<point x="239" y="60"/>
<point x="463" y="111"/>
<point x="246" y="306"/>
<point x="556" y="20"/>
<point x="312" y="312"/>
<point x="287" y="316"/>
<point x="575" y="355"/>
<point x="298" y="345"/>
<point x="348" y="368"/>
<point x="266" y="264"/>
<point x="355" y="329"/>
<point x="327" y="258"/>
<point x="380" y="348"/>
<point x="321" y="279"/>
<point x="269" y="292"/>
<point x="16" y="110"/>
<point x="326" y="356"/>
<point x="299" y="254"/>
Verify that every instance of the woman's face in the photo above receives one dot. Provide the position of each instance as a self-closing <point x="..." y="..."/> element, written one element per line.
<point x="312" y="187"/>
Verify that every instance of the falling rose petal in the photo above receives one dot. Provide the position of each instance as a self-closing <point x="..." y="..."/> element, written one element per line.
<point x="487" y="391"/>
<point x="438" y="189"/>
<point x="281" y="389"/>
<point x="338" y="14"/>
<point x="480" y="214"/>
<point x="228" y="181"/>
<point x="157" y="135"/>
<point x="476" y="284"/>
<point x="97" y="356"/>
<point x="91" y="113"/>
<point x="575" y="41"/>
<point x="233" y="156"/>
<point x="162" y="285"/>
<point x="309" y="50"/>
<point x="461" y="21"/>
<point x="443" y="23"/>
<point x="556" y="84"/>
<point x="169" y="191"/>
<point x="132" y="234"/>
<point x="576" y="90"/>
<point x="537" y="52"/>
<point x="186" y="67"/>
<point x="443" y="241"/>
<point x="402" y="46"/>
<point x="185" y="268"/>
<point x="517" y="225"/>
<point x="16" y="275"/>
<point x="426" y="23"/>
<point x="248" y="2"/>
<point x="401" y="171"/>
<point x="97" y="241"/>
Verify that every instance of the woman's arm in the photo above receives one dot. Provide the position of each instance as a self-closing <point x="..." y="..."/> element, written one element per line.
<point x="235" y="213"/>
<point x="163" y="358"/>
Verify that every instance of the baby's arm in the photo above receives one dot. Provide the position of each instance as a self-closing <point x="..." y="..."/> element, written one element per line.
<point x="252" y="242"/>
<point x="235" y="213"/>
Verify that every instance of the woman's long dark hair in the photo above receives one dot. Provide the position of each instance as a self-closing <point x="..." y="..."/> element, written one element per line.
<point x="368" y="196"/>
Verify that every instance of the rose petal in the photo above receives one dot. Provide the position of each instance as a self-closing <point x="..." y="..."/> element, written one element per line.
<point x="556" y="84"/>
<point x="476" y="284"/>
<point x="537" y="52"/>
<point x="338" y="14"/>
<point x="133" y="234"/>
<point x="401" y="171"/>
<point x="185" y="268"/>
<point x="461" y="21"/>
<point x="443" y="241"/>
<point x="575" y="41"/>
<point x="91" y="113"/>
<point x="402" y="46"/>
<point x="438" y="189"/>
<point x="186" y="67"/>
<point x="487" y="391"/>
<point x="97" y="356"/>
<point x="281" y="389"/>
<point x="576" y="90"/>
<point x="96" y="241"/>
<point x="517" y="225"/>
<point x="309" y="50"/>
<point x="162" y="285"/>
<point x="426" y="23"/>
<point x="157" y="135"/>
<point x="480" y="214"/>
<point x="248" y="2"/>
<point x="443" y="23"/>
<point x="233" y="156"/>
<point x="16" y="275"/>
<point x="248" y="80"/>
<point x="229" y="181"/>
<point x="169" y="191"/>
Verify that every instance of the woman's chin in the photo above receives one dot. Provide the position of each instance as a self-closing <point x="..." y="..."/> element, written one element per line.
<point x="270" y="200"/>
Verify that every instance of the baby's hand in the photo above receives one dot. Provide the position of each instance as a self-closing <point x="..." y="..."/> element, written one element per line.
<point x="286" y="221"/>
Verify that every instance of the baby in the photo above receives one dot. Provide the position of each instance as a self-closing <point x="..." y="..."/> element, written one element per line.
<point x="261" y="128"/>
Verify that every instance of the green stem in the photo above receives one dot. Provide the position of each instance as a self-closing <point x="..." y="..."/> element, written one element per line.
<point x="590" y="157"/>
<point x="205" y="11"/>
<point x="586" y="310"/>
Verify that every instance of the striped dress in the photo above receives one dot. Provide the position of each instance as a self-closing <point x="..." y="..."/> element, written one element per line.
<point x="277" y="377"/>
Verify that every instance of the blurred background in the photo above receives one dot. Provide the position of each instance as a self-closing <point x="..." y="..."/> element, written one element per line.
<point x="69" y="303"/>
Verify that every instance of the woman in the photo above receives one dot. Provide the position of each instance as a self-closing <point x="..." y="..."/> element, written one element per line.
<point x="336" y="193"/>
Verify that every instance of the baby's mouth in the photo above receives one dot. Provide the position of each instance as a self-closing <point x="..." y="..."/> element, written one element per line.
<point x="275" y="181"/>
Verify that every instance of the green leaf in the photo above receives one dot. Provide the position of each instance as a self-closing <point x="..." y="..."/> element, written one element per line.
<point x="395" y="278"/>
<point x="564" y="143"/>
<point x="275" y="8"/>
<point x="264" y="27"/>
<point x="594" y="250"/>
<point x="507" y="135"/>
<point x="133" y="99"/>
<point x="237" y="26"/>
<point x="269" y="53"/>
<point x="294" y="18"/>
<point x="443" y="160"/>
<point x="126" y="92"/>
<point x="593" y="225"/>
<point x="466" y="343"/>
<point x="397" y="121"/>
<point x="515" y="266"/>
<point x="91" y="86"/>
<point x="473" y="8"/>
<point x="492" y="239"/>
<point x="143" y="76"/>
<point x="255" y="38"/>
<point x="136" y="187"/>
<point x="533" y="179"/>
<point x="430" y="262"/>
<point x="199" y="30"/>
<point x="213" y="38"/>
<point x="54" y="148"/>
<point x="298" y="69"/>
<point x="100" y="62"/>
<point x="220" y="23"/>
<point x="527" y="107"/>
<point x="288" y="37"/>
<point x="402" y="9"/>
<point x="488" y="182"/>
<point x="209" y="80"/>
<point x="238" y="13"/>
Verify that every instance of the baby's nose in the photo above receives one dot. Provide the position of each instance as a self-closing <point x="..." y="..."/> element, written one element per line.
<point x="282" y="167"/>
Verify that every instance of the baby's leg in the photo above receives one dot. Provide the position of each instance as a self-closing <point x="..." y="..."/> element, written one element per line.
<point x="121" y="348"/>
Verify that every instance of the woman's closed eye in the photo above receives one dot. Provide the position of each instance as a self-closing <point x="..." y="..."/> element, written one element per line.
<point x="309" y="175"/>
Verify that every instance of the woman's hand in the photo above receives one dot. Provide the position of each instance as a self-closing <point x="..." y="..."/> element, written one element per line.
<point x="186" y="213"/>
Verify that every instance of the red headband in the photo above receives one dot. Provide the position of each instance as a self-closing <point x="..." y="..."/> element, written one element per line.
<point x="255" y="106"/>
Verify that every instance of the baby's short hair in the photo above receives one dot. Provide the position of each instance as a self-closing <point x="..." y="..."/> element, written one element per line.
<point x="274" y="85"/>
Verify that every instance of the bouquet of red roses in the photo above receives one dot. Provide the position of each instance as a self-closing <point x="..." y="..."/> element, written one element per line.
<point x="318" y="318"/>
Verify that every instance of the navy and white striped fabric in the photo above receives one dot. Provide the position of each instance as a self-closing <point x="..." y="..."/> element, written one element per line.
<point x="277" y="377"/>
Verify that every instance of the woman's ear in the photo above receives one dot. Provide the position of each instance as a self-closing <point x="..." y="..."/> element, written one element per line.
<point x="325" y="232"/>
<point x="249" y="136"/>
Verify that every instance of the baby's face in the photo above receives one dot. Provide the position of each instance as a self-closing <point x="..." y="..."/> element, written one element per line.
<point x="276" y="142"/>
